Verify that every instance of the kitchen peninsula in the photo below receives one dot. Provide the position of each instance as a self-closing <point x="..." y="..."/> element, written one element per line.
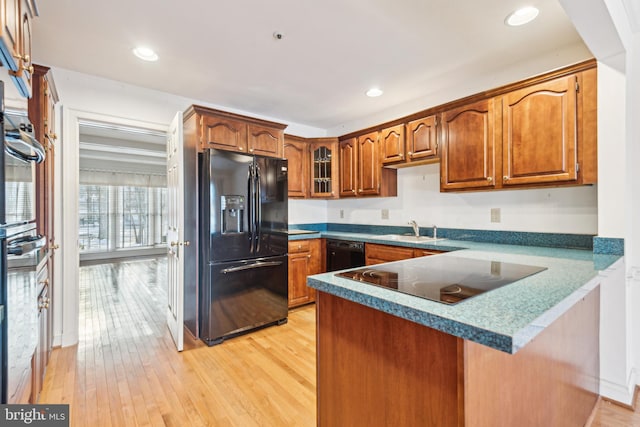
<point x="523" y="354"/>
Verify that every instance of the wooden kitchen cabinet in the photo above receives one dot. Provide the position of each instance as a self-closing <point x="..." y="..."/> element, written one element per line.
<point x="422" y="139"/>
<point x="16" y="18"/>
<point x="392" y="144"/>
<point x="539" y="141"/>
<point x="538" y="134"/>
<point x="41" y="110"/>
<point x="324" y="167"/>
<point x="296" y="151"/>
<point x="361" y="172"/>
<point x="468" y="147"/>
<point x="378" y="254"/>
<point x="305" y="259"/>
<point x="348" y="168"/>
<point x="233" y="132"/>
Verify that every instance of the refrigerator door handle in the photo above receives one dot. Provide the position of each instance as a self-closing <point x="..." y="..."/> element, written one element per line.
<point x="258" y="264"/>
<point x="250" y="206"/>
<point x="258" y="209"/>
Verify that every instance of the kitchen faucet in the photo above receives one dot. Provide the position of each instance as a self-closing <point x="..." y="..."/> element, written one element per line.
<point x="435" y="232"/>
<point x="416" y="229"/>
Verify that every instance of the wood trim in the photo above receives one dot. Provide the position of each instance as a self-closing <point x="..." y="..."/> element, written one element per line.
<point x="565" y="71"/>
<point x="208" y="111"/>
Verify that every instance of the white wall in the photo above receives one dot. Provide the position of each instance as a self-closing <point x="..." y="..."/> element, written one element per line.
<point x="98" y="95"/>
<point x="307" y="211"/>
<point x="552" y="210"/>
<point x="611" y="150"/>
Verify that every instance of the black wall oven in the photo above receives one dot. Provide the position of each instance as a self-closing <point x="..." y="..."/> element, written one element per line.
<point x="22" y="250"/>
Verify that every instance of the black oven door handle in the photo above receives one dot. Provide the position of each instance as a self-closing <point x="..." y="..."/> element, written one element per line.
<point x="15" y="139"/>
<point x="25" y="245"/>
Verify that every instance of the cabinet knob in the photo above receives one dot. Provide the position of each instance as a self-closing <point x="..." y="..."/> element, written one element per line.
<point x="173" y="244"/>
<point x="410" y="153"/>
<point x="54" y="247"/>
<point x="251" y="149"/>
<point x="309" y="256"/>
<point x="52" y="136"/>
<point x="505" y="178"/>
<point x="489" y="179"/>
<point x="187" y="243"/>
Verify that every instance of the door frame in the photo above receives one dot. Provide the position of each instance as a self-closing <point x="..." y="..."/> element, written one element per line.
<point x="67" y="263"/>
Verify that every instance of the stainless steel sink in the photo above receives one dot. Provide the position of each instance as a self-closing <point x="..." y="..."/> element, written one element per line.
<point x="408" y="238"/>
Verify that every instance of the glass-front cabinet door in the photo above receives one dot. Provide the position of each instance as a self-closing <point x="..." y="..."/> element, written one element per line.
<point x="324" y="167"/>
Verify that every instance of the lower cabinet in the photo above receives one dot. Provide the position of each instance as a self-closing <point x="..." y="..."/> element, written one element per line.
<point x="306" y="257"/>
<point x="42" y="352"/>
<point x="378" y="254"/>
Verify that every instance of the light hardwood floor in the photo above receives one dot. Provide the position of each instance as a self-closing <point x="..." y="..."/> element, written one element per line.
<point x="125" y="370"/>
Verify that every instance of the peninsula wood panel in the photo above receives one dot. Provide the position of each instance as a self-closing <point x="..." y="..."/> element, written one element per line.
<point x="552" y="381"/>
<point x="468" y="152"/>
<point x="539" y="133"/>
<point x="375" y="369"/>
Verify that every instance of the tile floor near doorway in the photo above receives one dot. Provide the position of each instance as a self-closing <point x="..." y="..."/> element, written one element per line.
<point x="125" y="370"/>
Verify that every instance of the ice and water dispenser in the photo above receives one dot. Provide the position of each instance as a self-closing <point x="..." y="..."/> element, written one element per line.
<point x="232" y="214"/>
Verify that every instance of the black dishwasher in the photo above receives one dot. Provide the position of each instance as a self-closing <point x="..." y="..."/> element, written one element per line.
<point x="343" y="254"/>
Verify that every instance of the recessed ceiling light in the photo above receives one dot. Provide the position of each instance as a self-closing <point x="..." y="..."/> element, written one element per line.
<point x="521" y="16"/>
<point x="145" y="53"/>
<point x="373" y="92"/>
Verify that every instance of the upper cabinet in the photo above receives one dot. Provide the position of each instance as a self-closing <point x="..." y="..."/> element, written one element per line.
<point x="467" y="155"/>
<point x="361" y="171"/>
<point x="422" y="139"/>
<point x="313" y="167"/>
<point x="539" y="138"/>
<point x="233" y="132"/>
<point x="296" y="151"/>
<point x="15" y="41"/>
<point x="324" y="167"/>
<point x="538" y="134"/>
<point x="392" y="144"/>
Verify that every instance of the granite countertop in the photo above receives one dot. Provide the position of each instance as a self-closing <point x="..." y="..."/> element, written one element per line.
<point x="506" y="318"/>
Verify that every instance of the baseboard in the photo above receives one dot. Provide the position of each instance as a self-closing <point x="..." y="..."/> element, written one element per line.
<point x="621" y="395"/>
<point x="631" y="406"/>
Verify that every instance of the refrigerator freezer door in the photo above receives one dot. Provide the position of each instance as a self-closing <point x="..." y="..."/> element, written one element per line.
<point x="271" y="232"/>
<point x="244" y="295"/>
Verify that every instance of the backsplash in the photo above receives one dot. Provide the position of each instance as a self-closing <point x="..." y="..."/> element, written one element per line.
<point x="568" y="210"/>
<point x="551" y="240"/>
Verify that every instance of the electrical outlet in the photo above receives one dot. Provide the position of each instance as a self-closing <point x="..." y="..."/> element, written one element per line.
<point x="341" y="213"/>
<point x="385" y="213"/>
<point x="495" y="215"/>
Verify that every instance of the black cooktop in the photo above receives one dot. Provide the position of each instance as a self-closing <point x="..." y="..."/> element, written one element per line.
<point x="445" y="279"/>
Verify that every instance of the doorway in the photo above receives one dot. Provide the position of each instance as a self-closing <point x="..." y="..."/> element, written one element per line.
<point x="88" y="136"/>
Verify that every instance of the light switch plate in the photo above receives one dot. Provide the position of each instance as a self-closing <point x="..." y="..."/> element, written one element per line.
<point x="341" y="213"/>
<point x="385" y="213"/>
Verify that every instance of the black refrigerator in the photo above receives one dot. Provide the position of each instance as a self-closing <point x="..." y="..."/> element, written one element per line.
<point x="242" y="243"/>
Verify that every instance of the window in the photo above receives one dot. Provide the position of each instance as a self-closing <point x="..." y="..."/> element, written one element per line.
<point x="122" y="217"/>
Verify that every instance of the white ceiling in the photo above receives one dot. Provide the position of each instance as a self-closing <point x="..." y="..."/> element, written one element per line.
<point x="331" y="52"/>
